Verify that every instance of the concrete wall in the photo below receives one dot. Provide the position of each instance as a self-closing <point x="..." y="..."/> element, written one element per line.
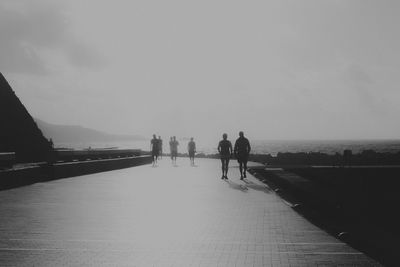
<point x="70" y="169"/>
<point x="21" y="177"/>
<point x="47" y="172"/>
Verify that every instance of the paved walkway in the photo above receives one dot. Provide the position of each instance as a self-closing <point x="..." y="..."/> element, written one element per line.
<point x="162" y="216"/>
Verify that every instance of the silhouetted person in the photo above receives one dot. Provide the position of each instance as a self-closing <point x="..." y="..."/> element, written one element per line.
<point x="225" y="152"/>
<point x="154" y="149"/>
<point x="160" y="144"/>
<point x="242" y="150"/>
<point x="173" y="144"/>
<point x="170" y="146"/>
<point x="191" y="150"/>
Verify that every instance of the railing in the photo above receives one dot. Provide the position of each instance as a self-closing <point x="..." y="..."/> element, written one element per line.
<point x="93" y="154"/>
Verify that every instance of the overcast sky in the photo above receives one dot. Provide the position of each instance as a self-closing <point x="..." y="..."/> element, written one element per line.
<point x="274" y="69"/>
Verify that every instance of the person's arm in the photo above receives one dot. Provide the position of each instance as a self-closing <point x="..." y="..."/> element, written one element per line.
<point x="230" y="148"/>
<point x="248" y="147"/>
<point x="219" y="147"/>
<point x="194" y="147"/>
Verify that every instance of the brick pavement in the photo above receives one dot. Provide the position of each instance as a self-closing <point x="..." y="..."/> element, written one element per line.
<point x="161" y="216"/>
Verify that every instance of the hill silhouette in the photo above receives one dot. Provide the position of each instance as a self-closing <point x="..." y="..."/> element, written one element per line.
<point x="79" y="134"/>
<point x="19" y="133"/>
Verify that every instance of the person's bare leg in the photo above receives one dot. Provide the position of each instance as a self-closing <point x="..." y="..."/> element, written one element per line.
<point x="226" y="168"/>
<point x="223" y="168"/>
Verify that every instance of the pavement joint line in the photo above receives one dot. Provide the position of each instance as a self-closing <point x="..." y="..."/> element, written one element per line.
<point x="219" y="243"/>
<point x="180" y="251"/>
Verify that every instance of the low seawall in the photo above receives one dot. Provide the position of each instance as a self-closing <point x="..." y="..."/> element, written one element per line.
<point x="19" y="177"/>
<point x="47" y="172"/>
<point x="70" y="169"/>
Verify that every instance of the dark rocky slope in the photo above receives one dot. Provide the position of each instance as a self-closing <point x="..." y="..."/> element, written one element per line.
<point x="19" y="133"/>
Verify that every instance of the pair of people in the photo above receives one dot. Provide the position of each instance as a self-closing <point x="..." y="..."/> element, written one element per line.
<point x="174" y="150"/>
<point x="241" y="150"/>
<point x="155" y="148"/>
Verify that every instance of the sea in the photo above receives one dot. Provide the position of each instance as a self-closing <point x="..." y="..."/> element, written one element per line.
<point x="272" y="147"/>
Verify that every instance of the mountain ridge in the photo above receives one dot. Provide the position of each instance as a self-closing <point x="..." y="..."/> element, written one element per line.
<point x="78" y="134"/>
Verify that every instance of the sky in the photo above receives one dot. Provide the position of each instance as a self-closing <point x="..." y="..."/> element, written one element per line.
<point x="279" y="69"/>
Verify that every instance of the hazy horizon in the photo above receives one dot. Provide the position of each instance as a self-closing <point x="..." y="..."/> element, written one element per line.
<point x="232" y="136"/>
<point x="278" y="70"/>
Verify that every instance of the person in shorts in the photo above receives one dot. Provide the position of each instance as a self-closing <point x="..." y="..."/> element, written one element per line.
<point x="170" y="146"/>
<point x="242" y="151"/>
<point x="154" y="148"/>
<point x="173" y="144"/>
<point x="160" y="147"/>
<point x="225" y="152"/>
<point x="191" y="150"/>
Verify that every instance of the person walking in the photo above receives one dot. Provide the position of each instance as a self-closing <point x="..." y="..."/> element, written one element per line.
<point x="174" y="149"/>
<point x="242" y="151"/>
<point x="191" y="150"/>
<point x="170" y="146"/>
<point x="225" y="152"/>
<point x="154" y="148"/>
<point x="160" y="145"/>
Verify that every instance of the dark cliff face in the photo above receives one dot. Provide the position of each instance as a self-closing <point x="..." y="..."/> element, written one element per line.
<point x="18" y="131"/>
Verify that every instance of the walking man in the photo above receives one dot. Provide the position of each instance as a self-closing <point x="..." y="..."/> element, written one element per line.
<point x="225" y="152"/>
<point x="242" y="150"/>
<point x="154" y="148"/>
<point x="191" y="150"/>
<point x="173" y="144"/>
<point x="171" y="139"/>
<point x="160" y="146"/>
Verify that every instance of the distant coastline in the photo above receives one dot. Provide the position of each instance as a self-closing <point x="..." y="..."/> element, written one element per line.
<point x="76" y="135"/>
<point x="272" y="147"/>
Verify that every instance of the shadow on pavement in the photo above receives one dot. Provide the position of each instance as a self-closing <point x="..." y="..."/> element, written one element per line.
<point x="236" y="186"/>
<point x="257" y="187"/>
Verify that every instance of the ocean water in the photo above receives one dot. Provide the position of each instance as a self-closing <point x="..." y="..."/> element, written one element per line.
<point x="261" y="146"/>
<point x="326" y="146"/>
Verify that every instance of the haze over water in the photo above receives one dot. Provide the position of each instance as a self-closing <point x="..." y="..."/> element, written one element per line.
<point x="262" y="146"/>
